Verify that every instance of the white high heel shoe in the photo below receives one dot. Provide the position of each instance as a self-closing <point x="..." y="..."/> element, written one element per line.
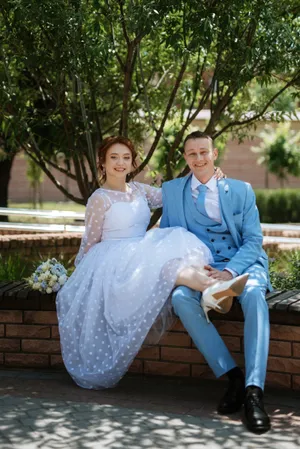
<point x="219" y="296"/>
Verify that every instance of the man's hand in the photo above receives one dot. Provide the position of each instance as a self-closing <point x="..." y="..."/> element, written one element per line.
<point x="217" y="274"/>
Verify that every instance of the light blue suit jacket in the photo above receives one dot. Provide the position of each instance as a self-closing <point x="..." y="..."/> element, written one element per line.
<point x="238" y="204"/>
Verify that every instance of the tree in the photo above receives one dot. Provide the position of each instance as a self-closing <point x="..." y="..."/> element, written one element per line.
<point x="74" y="71"/>
<point x="279" y="152"/>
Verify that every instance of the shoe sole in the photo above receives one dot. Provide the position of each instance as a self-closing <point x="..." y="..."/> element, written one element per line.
<point x="235" y="289"/>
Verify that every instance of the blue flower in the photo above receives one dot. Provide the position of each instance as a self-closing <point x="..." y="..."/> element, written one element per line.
<point x="35" y="278"/>
<point x="56" y="287"/>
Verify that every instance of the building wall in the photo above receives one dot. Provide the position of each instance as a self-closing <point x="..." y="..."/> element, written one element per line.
<point x="238" y="162"/>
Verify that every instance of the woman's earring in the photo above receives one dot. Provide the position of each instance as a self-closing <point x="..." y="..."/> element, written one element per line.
<point x="103" y="170"/>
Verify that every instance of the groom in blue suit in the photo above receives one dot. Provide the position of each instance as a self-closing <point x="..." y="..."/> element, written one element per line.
<point x="223" y="214"/>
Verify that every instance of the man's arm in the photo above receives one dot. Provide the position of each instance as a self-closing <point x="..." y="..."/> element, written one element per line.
<point x="164" y="221"/>
<point x="252" y="237"/>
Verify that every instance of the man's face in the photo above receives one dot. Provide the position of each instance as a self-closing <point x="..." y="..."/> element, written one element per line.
<point x="200" y="157"/>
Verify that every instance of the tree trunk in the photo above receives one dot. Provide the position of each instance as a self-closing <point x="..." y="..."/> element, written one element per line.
<point x="5" y="169"/>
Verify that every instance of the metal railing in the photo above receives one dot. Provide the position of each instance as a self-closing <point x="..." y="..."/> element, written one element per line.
<point x="62" y="215"/>
<point x="41" y="227"/>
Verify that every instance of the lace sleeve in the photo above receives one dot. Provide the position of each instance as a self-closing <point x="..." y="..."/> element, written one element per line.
<point x="94" y="217"/>
<point x="152" y="194"/>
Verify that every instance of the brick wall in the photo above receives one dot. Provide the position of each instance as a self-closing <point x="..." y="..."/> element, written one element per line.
<point x="29" y="338"/>
<point x="41" y="245"/>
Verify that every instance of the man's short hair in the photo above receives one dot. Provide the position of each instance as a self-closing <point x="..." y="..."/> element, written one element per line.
<point x="198" y="135"/>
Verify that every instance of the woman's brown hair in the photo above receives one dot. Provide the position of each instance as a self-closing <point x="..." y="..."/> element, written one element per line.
<point x="105" y="146"/>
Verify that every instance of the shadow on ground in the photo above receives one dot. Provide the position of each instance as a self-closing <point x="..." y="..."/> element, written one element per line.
<point x="39" y="410"/>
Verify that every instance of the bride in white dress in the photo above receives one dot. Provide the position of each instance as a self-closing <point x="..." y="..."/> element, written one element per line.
<point x="124" y="275"/>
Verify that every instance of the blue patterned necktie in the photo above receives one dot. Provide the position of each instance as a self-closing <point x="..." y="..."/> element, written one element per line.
<point x="200" y="203"/>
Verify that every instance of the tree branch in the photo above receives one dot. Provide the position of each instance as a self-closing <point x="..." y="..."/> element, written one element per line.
<point x="261" y="113"/>
<point x="160" y="130"/>
<point x="57" y="184"/>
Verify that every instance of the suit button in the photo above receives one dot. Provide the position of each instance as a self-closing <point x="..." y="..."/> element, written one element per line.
<point x="223" y="238"/>
<point x="208" y="230"/>
<point x="229" y="247"/>
<point x="218" y="252"/>
<point x="212" y="240"/>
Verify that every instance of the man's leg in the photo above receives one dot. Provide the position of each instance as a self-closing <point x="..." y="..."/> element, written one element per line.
<point x="186" y="304"/>
<point x="256" y="346"/>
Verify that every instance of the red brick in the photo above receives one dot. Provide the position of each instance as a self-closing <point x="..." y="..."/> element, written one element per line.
<point x="45" y="346"/>
<point x="230" y="328"/>
<point x="27" y="331"/>
<point x="203" y="371"/>
<point x="148" y="352"/>
<point x="136" y="366"/>
<point x="27" y="360"/>
<point x="282" y="332"/>
<point x="296" y="350"/>
<point x="181" y="355"/>
<point x="11" y="316"/>
<point x="180" y="339"/>
<point x="296" y="382"/>
<point x="54" y="332"/>
<point x="177" y="326"/>
<point x="233" y="343"/>
<point x="40" y="317"/>
<point x="279" y="379"/>
<point x="282" y="348"/>
<point x="1" y="330"/>
<point x="9" y="345"/>
<point x="56" y="361"/>
<point x="166" y="369"/>
<point x="284" y="365"/>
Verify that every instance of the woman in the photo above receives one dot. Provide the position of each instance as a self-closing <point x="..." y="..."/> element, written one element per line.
<point x="124" y="275"/>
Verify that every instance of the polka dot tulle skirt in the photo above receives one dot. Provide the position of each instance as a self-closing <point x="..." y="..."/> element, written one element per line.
<point x="119" y="291"/>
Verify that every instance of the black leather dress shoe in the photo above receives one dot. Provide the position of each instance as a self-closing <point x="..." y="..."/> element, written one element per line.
<point x="234" y="397"/>
<point x="256" y="418"/>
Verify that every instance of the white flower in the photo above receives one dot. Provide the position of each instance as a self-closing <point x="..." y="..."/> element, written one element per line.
<point x="47" y="274"/>
<point x="62" y="279"/>
<point x="44" y="266"/>
<point x="49" y="290"/>
<point x="42" y="277"/>
<point x="36" y="285"/>
<point x="51" y="283"/>
<point x="53" y="277"/>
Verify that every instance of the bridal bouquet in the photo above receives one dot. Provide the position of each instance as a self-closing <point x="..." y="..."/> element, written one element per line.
<point x="49" y="277"/>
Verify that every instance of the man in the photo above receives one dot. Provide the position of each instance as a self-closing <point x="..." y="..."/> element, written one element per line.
<point x="223" y="214"/>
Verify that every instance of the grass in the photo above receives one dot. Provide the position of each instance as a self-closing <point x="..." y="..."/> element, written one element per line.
<point x="16" y="268"/>
<point x="51" y="205"/>
<point x="47" y="205"/>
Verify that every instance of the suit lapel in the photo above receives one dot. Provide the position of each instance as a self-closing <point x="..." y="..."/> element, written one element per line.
<point x="226" y="205"/>
<point x="179" y="199"/>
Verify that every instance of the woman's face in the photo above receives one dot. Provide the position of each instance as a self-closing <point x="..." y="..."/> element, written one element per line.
<point x="118" y="161"/>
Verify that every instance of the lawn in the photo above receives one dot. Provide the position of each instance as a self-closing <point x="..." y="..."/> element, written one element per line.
<point x="48" y="205"/>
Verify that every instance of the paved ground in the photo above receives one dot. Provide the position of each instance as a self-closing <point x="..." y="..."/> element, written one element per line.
<point x="44" y="410"/>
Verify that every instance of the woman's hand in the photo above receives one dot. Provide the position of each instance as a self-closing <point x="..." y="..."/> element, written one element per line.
<point x="219" y="174"/>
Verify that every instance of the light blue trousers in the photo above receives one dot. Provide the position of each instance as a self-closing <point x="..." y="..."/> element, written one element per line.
<point x="186" y="304"/>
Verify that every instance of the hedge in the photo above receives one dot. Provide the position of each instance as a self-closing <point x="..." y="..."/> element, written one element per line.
<point x="278" y="205"/>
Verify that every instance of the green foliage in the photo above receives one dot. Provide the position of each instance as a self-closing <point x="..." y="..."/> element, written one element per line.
<point x="285" y="271"/>
<point x="278" y="205"/>
<point x="73" y="72"/>
<point x="13" y="268"/>
<point x="16" y="267"/>
<point x="279" y="151"/>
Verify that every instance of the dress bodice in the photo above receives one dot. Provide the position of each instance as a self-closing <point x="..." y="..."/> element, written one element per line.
<point x="126" y="219"/>
<point x="115" y="215"/>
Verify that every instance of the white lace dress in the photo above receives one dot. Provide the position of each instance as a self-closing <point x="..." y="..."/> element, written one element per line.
<point x="121" y="284"/>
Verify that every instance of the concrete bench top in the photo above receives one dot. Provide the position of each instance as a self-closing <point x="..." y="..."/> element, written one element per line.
<point x="284" y="306"/>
